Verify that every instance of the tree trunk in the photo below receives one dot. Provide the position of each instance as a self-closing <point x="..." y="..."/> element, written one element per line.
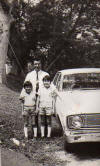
<point x="4" y="39"/>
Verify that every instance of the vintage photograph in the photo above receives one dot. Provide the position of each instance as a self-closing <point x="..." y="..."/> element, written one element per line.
<point x="49" y="82"/>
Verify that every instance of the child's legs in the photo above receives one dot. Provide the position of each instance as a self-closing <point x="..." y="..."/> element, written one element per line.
<point x="42" y="118"/>
<point x="34" y="120"/>
<point x="42" y="121"/>
<point x="26" y="120"/>
<point x="48" y="118"/>
<point x="26" y="123"/>
<point x="34" y="124"/>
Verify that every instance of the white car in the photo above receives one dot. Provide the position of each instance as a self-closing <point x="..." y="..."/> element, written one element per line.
<point x="78" y="107"/>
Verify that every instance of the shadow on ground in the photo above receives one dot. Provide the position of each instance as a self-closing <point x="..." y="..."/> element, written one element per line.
<point x="85" y="151"/>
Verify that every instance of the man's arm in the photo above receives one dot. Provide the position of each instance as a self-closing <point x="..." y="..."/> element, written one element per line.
<point x="27" y="78"/>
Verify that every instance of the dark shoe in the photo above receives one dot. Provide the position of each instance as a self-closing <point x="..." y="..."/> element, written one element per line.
<point x="43" y="137"/>
<point x="26" y="139"/>
<point x="48" y="139"/>
<point x="34" y="139"/>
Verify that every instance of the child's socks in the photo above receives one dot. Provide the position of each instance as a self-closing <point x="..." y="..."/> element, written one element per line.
<point x="49" y="131"/>
<point x="26" y="132"/>
<point x="35" y="131"/>
<point x="42" y="131"/>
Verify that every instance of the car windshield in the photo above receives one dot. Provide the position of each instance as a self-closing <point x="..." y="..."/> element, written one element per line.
<point x="81" y="81"/>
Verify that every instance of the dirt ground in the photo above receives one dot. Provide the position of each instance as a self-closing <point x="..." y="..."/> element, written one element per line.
<point x="40" y="151"/>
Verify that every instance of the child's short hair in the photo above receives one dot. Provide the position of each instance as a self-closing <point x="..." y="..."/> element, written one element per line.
<point x="27" y="83"/>
<point x="47" y="78"/>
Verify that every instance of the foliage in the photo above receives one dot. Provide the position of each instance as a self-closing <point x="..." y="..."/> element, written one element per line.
<point x="5" y="6"/>
<point x="65" y="33"/>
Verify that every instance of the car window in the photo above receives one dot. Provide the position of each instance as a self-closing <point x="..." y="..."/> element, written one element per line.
<point x="58" y="82"/>
<point x="56" y="79"/>
<point x="81" y="80"/>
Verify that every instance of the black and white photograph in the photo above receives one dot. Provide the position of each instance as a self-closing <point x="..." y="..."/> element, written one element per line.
<point x="49" y="83"/>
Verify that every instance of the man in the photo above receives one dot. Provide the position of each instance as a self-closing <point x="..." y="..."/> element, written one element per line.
<point x="36" y="78"/>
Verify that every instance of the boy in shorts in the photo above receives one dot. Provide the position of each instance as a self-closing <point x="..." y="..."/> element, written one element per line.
<point x="28" y="99"/>
<point x="45" y="105"/>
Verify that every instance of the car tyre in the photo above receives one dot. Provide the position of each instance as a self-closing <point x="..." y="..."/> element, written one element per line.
<point x="70" y="147"/>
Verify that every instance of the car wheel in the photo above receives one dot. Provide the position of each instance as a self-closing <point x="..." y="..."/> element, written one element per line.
<point x="70" y="147"/>
<point x="67" y="146"/>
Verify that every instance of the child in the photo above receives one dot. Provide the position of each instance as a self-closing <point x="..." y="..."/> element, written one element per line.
<point x="45" y="105"/>
<point x="29" y="113"/>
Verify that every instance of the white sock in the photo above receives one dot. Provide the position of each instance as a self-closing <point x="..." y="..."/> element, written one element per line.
<point x="42" y="131"/>
<point x="49" y="131"/>
<point x="26" y="132"/>
<point x="35" y="131"/>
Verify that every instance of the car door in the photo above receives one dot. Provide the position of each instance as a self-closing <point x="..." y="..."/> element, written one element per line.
<point x="57" y="84"/>
<point x="56" y="79"/>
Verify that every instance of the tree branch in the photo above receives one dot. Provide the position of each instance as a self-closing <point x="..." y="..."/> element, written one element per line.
<point x="78" y="18"/>
<point x="75" y="24"/>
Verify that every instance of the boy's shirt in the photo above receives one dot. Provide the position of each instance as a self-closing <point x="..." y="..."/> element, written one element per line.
<point x="29" y="99"/>
<point x="46" y="96"/>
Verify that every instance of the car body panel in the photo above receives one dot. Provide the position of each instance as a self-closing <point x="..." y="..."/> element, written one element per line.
<point x="79" y="70"/>
<point x="93" y="137"/>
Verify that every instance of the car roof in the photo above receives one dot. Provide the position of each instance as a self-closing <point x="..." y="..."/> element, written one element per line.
<point x="79" y="70"/>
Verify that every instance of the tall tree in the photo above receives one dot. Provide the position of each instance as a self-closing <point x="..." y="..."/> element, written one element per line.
<point x="5" y="21"/>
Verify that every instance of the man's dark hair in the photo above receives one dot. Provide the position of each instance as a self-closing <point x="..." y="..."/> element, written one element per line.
<point x="47" y="78"/>
<point x="27" y="83"/>
<point x="37" y="59"/>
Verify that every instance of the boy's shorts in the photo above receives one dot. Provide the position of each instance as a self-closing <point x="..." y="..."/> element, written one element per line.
<point x="29" y="111"/>
<point x="45" y="111"/>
